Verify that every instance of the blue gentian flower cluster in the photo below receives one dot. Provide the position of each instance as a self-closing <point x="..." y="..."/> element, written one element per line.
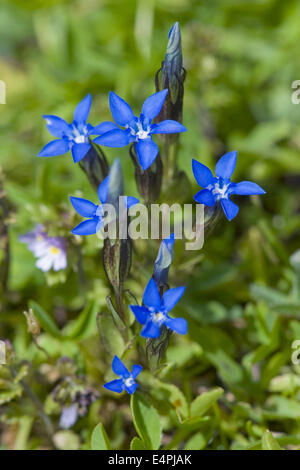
<point x="137" y="129"/>
<point x="127" y="380"/>
<point x="77" y="135"/>
<point x="157" y="302"/>
<point x="219" y="188"/>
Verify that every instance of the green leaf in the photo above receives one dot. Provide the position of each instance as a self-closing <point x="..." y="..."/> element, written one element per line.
<point x="110" y="336"/>
<point x="197" y="442"/>
<point x="174" y="396"/>
<point x="100" y="440"/>
<point x="279" y="407"/>
<point x="146" y="421"/>
<point x="137" y="444"/>
<point x="203" y="402"/>
<point x="44" y="319"/>
<point x="78" y="327"/>
<point x="268" y="442"/>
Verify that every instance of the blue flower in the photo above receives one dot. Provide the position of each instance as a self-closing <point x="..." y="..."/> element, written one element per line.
<point x="94" y="212"/>
<point x="164" y="259"/>
<point x="219" y="188"/>
<point x="127" y="380"/>
<point x="74" y="136"/>
<point x="155" y="311"/>
<point x="137" y="130"/>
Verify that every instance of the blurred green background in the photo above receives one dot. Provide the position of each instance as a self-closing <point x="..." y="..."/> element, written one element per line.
<point x="243" y="291"/>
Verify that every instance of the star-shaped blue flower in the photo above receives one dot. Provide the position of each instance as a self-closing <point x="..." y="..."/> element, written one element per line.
<point x="127" y="380"/>
<point x="94" y="212"/>
<point x="74" y="136"/>
<point x="137" y="130"/>
<point x="155" y="311"/>
<point x="219" y="188"/>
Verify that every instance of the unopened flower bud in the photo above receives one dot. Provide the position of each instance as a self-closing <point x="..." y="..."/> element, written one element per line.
<point x="163" y="261"/>
<point x="156" y="348"/>
<point x="33" y="325"/>
<point x="117" y="261"/>
<point x="117" y="250"/>
<point x="149" y="181"/>
<point x="171" y="76"/>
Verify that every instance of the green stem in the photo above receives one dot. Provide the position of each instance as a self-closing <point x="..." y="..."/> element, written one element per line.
<point x="39" y="406"/>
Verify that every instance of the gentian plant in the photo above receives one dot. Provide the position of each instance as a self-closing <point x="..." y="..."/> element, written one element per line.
<point x="137" y="129"/>
<point x="219" y="188"/>
<point x="127" y="379"/>
<point x="111" y="306"/>
<point x="75" y="136"/>
<point x="155" y="311"/>
<point x="94" y="212"/>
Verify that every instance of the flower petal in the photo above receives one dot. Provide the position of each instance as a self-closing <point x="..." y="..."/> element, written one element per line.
<point x="119" y="368"/>
<point x="202" y="174"/>
<point x="147" y="151"/>
<point x="115" y="386"/>
<point x="136" y="370"/>
<point x="246" y="188"/>
<point x="153" y="104"/>
<point x="120" y="110"/>
<point x="114" y="138"/>
<point x="150" y="330"/>
<point x="84" y="207"/>
<point x="60" y="262"/>
<point x="230" y="208"/>
<point x="179" y="325"/>
<point x="45" y="262"/>
<point x="88" y="227"/>
<point x="103" y="190"/>
<point x="56" y="125"/>
<point x="55" y="148"/>
<point x="226" y="165"/>
<point x="151" y="297"/>
<point x="82" y="110"/>
<point x="205" y="197"/>
<point x="130" y="201"/>
<point x="140" y="313"/>
<point x="105" y="126"/>
<point x="131" y="388"/>
<point x="68" y="416"/>
<point x="172" y="296"/>
<point x="79" y="151"/>
<point x="167" y="127"/>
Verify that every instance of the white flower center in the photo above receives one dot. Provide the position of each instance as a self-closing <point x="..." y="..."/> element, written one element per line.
<point x="140" y="134"/>
<point x="129" y="382"/>
<point x="158" y="317"/>
<point x="80" y="136"/>
<point x="80" y="139"/>
<point x="219" y="192"/>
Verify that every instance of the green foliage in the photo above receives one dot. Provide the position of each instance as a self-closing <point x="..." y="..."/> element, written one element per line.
<point x="99" y="440"/>
<point x="268" y="442"/>
<point x="146" y="421"/>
